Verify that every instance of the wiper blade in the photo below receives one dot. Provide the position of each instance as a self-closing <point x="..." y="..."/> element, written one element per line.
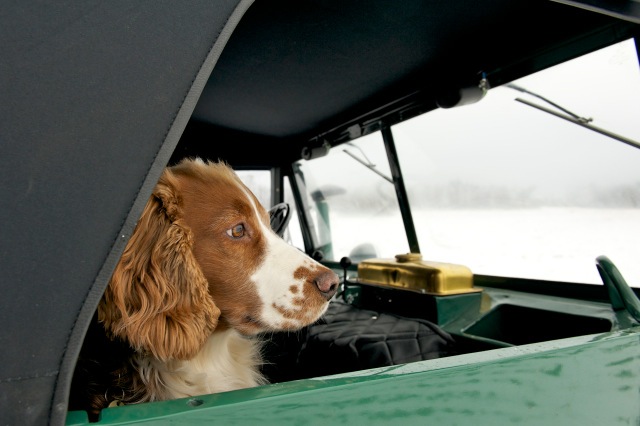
<point x="570" y="116"/>
<point x="366" y="162"/>
<point x="555" y="105"/>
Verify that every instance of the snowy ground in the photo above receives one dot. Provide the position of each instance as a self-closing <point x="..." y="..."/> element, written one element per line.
<point x="544" y="243"/>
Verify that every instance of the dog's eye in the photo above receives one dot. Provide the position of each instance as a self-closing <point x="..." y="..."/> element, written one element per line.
<point x="236" y="232"/>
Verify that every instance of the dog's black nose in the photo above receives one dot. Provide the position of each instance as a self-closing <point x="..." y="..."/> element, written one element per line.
<point x="327" y="282"/>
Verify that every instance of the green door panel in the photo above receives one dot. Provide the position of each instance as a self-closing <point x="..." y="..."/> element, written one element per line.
<point x="587" y="380"/>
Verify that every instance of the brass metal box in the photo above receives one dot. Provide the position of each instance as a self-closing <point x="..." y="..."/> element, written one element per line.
<point x="410" y="272"/>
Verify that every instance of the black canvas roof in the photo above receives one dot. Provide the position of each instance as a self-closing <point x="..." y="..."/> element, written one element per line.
<point x="94" y="97"/>
<point x="296" y="70"/>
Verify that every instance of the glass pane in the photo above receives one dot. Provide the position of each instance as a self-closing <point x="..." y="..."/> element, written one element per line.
<point x="259" y="182"/>
<point x="353" y="210"/>
<point x="510" y="190"/>
<point x="293" y="233"/>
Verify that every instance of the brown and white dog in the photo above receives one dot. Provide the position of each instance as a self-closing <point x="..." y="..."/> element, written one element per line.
<point x="202" y="275"/>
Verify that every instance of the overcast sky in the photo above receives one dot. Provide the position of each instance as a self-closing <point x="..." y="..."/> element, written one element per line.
<point x="521" y="146"/>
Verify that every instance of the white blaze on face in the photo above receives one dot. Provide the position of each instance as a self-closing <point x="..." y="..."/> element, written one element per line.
<point x="275" y="279"/>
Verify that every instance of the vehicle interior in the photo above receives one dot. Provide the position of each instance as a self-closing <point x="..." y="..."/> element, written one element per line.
<point x="297" y="80"/>
<point x="100" y="98"/>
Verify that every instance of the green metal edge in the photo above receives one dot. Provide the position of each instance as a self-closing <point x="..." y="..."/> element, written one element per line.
<point x="583" y="380"/>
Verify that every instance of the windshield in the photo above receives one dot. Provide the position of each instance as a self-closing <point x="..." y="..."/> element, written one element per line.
<point x="501" y="186"/>
<point x="346" y="198"/>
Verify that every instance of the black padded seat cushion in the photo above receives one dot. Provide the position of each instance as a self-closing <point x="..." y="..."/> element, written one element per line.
<point x="348" y="338"/>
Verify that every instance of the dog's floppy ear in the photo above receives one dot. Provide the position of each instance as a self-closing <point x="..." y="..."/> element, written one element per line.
<point x="158" y="298"/>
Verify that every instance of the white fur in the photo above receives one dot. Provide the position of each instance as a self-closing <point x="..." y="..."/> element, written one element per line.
<point x="227" y="361"/>
<point x="280" y="260"/>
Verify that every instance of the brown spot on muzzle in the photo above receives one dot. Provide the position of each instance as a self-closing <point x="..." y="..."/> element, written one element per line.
<point x="319" y="284"/>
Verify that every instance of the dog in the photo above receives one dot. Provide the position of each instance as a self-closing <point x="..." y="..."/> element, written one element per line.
<point x="202" y="277"/>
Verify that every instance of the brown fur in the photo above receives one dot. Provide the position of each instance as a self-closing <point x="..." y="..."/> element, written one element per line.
<point x="160" y="307"/>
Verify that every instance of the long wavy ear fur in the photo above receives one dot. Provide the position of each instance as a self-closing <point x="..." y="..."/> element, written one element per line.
<point x="158" y="299"/>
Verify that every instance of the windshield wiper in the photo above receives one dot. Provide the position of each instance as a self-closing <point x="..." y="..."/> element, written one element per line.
<point x="366" y="162"/>
<point x="569" y="116"/>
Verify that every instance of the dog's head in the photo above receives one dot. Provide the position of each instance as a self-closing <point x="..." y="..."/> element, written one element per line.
<point x="204" y="256"/>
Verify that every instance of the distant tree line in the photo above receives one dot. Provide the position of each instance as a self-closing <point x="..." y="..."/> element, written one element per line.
<point x="617" y="196"/>
<point x="468" y="195"/>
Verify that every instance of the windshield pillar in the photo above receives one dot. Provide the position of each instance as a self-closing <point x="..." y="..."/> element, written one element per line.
<point x="298" y="189"/>
<point x="277" y="186"/>
<point x="401" y="192"/>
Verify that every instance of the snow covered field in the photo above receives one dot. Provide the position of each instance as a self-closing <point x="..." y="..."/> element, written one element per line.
<point x="545" y="243"/>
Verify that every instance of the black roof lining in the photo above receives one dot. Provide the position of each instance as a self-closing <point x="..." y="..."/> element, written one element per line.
<point x="296" y="71"/>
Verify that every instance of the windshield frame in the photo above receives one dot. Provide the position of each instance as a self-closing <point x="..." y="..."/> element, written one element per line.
<point x="315" y="248"/>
